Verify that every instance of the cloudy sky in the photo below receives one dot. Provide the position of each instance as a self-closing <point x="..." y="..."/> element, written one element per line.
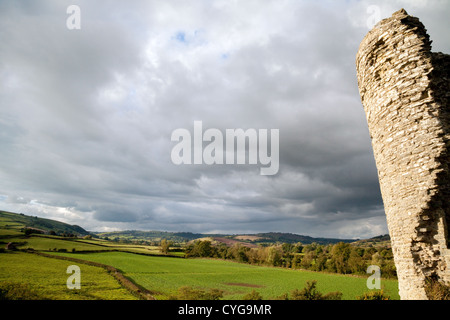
<point x="86" y="114"/>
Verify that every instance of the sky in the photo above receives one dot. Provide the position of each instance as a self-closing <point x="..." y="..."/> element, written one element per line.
<point x="89" y="100"/>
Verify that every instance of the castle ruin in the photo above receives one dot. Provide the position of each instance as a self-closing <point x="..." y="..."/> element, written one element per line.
<point x="404" y="89"/>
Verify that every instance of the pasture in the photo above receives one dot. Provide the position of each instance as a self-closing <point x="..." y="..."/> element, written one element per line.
<point x="47" y="278"/>
<point x="145" y="266"/>
<point x="164" y="275"/>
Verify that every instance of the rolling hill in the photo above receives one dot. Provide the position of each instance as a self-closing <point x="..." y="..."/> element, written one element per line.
<point x="42" y="225"/>
<point x="52" y="226"/>
<point x="250" y="240"/>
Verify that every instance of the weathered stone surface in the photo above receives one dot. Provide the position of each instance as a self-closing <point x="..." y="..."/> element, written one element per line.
<point x="404" y="89"/>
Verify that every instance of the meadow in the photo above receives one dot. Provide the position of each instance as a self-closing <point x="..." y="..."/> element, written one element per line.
<point x="47" y="278"/>
<point x="163" y="276"/>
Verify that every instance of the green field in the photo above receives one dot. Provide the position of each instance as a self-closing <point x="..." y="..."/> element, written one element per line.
<point x="161" y="275"/>
<point x="48" y="278"/>
<point x="164" y="275"/>
<point x="55" y="243"/>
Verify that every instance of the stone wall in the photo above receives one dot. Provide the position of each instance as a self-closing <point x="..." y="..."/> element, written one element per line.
<point x="404" y="89"/>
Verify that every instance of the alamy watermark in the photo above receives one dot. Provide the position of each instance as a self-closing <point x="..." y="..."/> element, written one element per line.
<point x="213" y="147"/>
<point x="374" y="12"/>
<point x="73" y="22"/>
<point x="73" y="281"/>
<point x="374" y="281"/>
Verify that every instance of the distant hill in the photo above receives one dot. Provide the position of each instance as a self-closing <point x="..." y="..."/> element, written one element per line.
<point x="139" y="235"/>
<point x="20" y="220"/>
<point x="294" y="238"/>
<point x="382" y="240"/>
<point x="250" y="240"/>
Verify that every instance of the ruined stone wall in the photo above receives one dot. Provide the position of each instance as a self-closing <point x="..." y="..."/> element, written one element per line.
<point x="404" y="89"/>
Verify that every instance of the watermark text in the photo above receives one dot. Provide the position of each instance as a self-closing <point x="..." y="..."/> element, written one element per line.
<point x="236" y="146"/>
<point x="74" y="281"/>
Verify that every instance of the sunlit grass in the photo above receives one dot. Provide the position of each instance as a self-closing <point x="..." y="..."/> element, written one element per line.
<point x="164" y="276"/>
<point x="48" y="278"/>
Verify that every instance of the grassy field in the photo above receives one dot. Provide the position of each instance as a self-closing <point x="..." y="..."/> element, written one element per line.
<point x="47" y="277"/>
<point x="49" y="243"/>
<point x="56" y="243"/>
<point x="164" y="275"/>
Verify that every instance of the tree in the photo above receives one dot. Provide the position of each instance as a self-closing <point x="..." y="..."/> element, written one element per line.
<point x="377" y="259"/>
<point x="356" y="263"/>
<point x="310" y="292"/>
<point x="165" y="246"/>
<point x="254" y="295"/>
<point x="374" y="295"/>
<point x="388" y="269"/>
<point x="310" y="247"/>
<point x="287" y="248"/>
<point x="262" y="254"/>
<point x="296" y="261"/>
<point x="28" y="231"/>
<point x="298" y="248"/>
<point x="204" y="248"/>
<point x="221" y="251"/>
<point x="320" y="262"/>
<point x="307" y="260"/>
<point x="340" y="253"/>
<point x="274" y="257"/>
<point x="200" y="249"/>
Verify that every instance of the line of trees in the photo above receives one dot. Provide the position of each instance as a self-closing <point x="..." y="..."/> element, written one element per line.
<point x="341" y="257"/>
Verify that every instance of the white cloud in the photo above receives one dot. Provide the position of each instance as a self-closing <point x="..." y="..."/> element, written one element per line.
<point x="86" y="115"/>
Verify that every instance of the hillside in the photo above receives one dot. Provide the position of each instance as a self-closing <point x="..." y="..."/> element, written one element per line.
<point x="41" y="225"/>
<point x="140" y="235"/>
<point x="10" y="219"/>
<point x="382" y="240"/>
<point x="250" y="240"/>
<point x="181" y="264"/>
<point x="294" y="238"/>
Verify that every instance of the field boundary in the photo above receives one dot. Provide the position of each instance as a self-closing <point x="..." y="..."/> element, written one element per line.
<point x="119" y="250"/>
<point x="127" y="283"/>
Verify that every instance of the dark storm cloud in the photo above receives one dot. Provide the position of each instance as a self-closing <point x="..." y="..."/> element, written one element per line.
<point x="86" y="115"/>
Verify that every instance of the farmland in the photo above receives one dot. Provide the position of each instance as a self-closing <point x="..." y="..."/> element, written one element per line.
<point x="47" y="278"/>
<point x="164" y="275"/>
<point x="105" y="265"/>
